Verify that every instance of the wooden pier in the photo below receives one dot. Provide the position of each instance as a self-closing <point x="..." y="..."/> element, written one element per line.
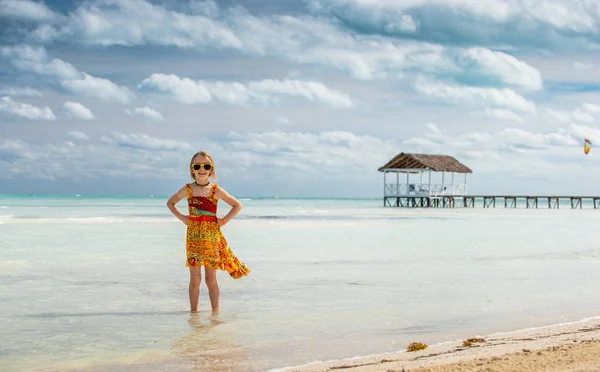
<point x="491" y="201"/>
<point x="430" y="193"/>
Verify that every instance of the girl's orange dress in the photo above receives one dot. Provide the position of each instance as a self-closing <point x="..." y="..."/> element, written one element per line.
<point x="205" y="243"/>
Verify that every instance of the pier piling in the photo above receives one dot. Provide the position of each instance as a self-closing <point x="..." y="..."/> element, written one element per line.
<point x="489" y="201"/>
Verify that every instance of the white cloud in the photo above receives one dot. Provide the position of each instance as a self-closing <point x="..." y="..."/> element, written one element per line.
<point x="77" y="110"/>
<point x="335" y="156"/>
<point x="36" y="61"/>
<point x="490" y="99"/>
<point x="146" y="112"/>
<point x="26" y="9"/>
<point x="482" y="83"/>
<point x="90" y="86"/>
<point x="296" y="155"/>
<point x="327" y="155"/>
<point x="137" y="22"/>
<point x="587" y="113"/>
<point x="13" y="146"/>
<point x="145" y="142"/>
<point x="23" y="159"/>
<point x="591" y="108"/>
<point x="494" y="23"/>
<point x="502" y="114"/>
<point x="15" y="155"/>
<point x="78" y="135"/>
<point x="256" y="92"/>
<point x="505" y="140"/>
<point x="25" y="110"/>
<point x="581" y="132"/>
<point x="20" y="91"/>
<point x="531" y="141"/>
<point x="504" y="67"/>
<point x="128" y="156"/>
<point x="180" y="89"/>
<point x="44" y="34"/>
<point x="493" y="10"/>
<point x="418" y="143"/>
<point x="301" y="39"/>
<point x="205" y="7"/>
<point x="511" y="154"/>
<point x="370" y="14"/>
<point x="476" y="137"/>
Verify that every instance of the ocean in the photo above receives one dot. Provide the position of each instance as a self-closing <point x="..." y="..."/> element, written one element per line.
<point x="100" y="283"/>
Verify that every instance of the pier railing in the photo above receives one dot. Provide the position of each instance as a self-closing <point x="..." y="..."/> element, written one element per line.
<point x="424" y="190"/>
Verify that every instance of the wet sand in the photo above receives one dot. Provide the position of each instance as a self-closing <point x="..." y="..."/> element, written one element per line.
<point x="569" y="347"/>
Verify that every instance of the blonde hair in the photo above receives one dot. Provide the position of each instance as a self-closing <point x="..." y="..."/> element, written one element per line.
<point x="213" y="171"/>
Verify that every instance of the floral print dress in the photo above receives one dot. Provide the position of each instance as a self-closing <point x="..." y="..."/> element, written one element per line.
<point x="205" y="244"/>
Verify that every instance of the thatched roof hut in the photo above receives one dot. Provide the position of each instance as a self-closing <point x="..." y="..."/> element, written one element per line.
<point x="421" y="192"/>
<point x="404" y="163"/>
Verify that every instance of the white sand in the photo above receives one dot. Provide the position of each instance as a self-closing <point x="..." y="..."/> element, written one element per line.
<point x="568" y="347"/>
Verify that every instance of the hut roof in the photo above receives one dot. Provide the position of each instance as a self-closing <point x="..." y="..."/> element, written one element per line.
<point x="437" y="163"/>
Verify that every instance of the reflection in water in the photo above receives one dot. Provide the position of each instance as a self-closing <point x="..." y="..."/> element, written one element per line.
<point x="211" y="346"/>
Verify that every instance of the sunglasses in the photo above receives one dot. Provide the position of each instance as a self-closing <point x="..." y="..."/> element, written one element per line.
<point x="198" y="166"/>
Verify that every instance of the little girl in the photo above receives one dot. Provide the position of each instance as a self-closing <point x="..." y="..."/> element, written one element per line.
<point x="205" y="244"/>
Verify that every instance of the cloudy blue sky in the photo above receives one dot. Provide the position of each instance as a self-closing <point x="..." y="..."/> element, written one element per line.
<point x="296" y="98"/>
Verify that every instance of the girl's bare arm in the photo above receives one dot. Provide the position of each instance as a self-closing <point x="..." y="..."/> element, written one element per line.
<point x="172" y="204"/>
<point x="235" y="204"/>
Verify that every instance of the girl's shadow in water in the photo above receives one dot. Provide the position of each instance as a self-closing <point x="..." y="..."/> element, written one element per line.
<point x="211" y="345"/>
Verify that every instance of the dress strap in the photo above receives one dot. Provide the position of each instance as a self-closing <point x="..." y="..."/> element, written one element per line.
<point x="214" y="190"/>
<point x="189" y="190"/>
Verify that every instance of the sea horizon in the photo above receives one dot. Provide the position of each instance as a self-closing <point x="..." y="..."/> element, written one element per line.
<point x="152" y="196"/>
<point x="498" y="195"/>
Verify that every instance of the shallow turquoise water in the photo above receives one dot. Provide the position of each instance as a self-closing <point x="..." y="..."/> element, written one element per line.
<point x="101" y="283"/>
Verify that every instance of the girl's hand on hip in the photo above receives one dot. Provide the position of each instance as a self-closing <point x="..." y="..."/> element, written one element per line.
<point x="185" y="219"/>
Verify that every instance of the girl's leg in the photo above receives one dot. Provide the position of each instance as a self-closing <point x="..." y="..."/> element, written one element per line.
<point x="213" y="288"/>
<point x="195" y="279"/>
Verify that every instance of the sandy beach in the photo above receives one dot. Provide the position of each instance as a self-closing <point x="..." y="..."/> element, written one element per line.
<point x="567" y="347"/>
